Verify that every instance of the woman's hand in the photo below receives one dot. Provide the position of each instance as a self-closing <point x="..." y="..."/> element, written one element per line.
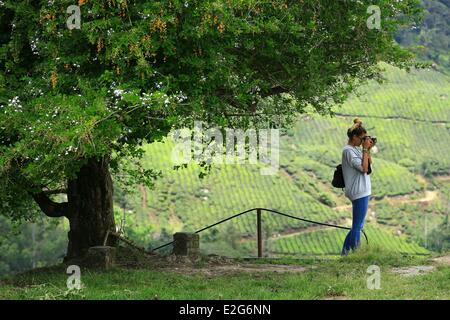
<point x="367" y="143"/>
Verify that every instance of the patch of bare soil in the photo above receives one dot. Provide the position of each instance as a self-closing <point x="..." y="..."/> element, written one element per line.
<point x="427" y="197"/>
<point x="215" y="265"/>
<point x="252" y="268"/>
<point x="413" y="271"/>
<point x="442" y="260"/>
<point x="335" y="298"/>
<point x="442" y="178"/>
<point x="211" y="265"/>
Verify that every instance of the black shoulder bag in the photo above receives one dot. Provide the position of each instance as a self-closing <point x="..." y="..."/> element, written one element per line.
<point x="338" y="177"/>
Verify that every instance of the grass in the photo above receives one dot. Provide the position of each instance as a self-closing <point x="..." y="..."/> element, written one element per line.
<point x="341" y="277"/>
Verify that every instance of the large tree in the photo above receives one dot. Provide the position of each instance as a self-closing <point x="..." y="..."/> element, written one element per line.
<point x="76" y="104"/>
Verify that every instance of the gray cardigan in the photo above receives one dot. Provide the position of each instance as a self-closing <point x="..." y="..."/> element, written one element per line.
<point x="357" y="182"/>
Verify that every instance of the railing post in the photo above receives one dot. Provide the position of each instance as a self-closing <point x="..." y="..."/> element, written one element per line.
<point x="259" y="235"/>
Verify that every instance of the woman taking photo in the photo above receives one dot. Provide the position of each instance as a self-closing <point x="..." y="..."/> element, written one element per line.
<point x="355" y="165"/>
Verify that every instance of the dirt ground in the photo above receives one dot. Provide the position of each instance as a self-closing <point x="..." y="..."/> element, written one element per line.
<point x="213" y="265"/>
<point x="442" y="260"/>
<point x="420" y="270"/>
<point x="214" y="270"/>
<point x="413" y="271"/>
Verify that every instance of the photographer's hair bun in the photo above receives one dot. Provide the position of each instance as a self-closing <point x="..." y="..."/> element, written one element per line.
<point x="356" y="128"/>
<point x="357" y="122"/>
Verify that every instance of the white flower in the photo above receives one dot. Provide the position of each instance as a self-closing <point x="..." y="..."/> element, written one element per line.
<point x="118" y="92"/>
<point x="33" y="44"/>
<point x="15" y="103"/>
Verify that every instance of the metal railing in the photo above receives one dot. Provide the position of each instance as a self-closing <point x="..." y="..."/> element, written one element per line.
<point x="259" y="226"/>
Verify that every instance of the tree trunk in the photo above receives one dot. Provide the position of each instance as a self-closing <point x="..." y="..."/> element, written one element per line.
<point x="90" y="208"/>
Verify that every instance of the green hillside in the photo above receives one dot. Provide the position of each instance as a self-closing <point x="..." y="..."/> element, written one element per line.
<point x="329" y="242"/>
<point x="430" y="40"/>
<point x="409" y="114"/>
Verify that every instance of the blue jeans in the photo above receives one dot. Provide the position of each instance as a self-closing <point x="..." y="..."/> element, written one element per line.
<point x="352" y="240"/>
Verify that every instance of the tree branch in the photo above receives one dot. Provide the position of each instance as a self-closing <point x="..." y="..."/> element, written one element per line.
<point x="275" y="90"/>
<point x="57" y="191"/>
<point x="49" y="207"/>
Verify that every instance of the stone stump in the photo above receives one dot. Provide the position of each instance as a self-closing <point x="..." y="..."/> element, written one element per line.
<point x="102" y="257"/>
<point x="186" y="244"/>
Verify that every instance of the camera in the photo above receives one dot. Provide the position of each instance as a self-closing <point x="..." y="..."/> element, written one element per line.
<point x="374" y="139"/>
